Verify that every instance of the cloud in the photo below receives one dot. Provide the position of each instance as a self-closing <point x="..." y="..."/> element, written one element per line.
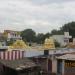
<point x="40" y="15"/>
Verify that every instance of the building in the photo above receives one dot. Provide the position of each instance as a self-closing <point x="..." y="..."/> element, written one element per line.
<point x="19" y="45"/>
<point x="66" y="64"/>
<point x="44" y="63"/>
<point x="18" y="67"/>
<point x="13" y="62"/>
<point x="2" y="40"/>
<point x="14" y="35"/>
<point x="59" y="39"/>
<point x="49" y="43"/>
<point x="62" y="39"/>
<point x="9" y="35"/>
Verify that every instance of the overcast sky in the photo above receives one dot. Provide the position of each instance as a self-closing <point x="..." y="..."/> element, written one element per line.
<point x="40" y="15"/>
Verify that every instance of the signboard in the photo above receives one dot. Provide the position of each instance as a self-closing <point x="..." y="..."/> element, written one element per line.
<point x="69" y="67"/>
<point x="69" y="64"/>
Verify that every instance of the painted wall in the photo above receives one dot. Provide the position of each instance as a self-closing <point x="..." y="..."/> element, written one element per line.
<point x="69" y="67"/>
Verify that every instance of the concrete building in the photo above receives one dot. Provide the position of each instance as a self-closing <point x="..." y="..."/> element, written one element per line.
<point x="62" y="39"/>
<point x="45" y="64"/>
<point x="2" y="40"/>
<point x="66" y="64"/>
<point x="14" y="35"/>
<point x="59" y="39"/>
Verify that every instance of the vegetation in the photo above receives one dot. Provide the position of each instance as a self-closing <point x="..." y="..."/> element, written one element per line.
<point x="57" y="44"/>
<point x="69" y="27"/>
<point x="30" y="35"/>
<point x="10" y="42"/>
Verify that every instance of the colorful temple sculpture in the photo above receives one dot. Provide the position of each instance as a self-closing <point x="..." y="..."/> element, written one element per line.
<point x="49" y="43"/>
<point x="16" y="51"/>
<point x="19" y="44"/>
<point x="12" y="55"/>
<point x="12" y="61"/>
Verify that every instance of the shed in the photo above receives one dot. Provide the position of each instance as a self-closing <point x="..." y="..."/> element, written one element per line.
<point x="18" y="67"/>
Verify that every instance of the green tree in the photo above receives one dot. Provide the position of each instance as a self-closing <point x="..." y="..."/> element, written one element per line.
<point x="28" y="35"/>
<point x="40" y="38"/>
<point x="56" y="32"/>
<point x="2" y="38"/>
<point x="10" y="42"/>
<point x="70" y="27"/>
<point x="47" y="35"/>
<point x="57" y="44"/>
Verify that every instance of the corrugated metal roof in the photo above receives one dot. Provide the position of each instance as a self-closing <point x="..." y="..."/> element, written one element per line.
<point x="67" y="57"/>
<point x="18" y="64"/>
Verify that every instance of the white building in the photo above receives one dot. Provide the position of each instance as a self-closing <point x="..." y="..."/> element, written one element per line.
<point x="59" y="39"/>
<point x="62" y="39"/>
<point x="15" y="35"/>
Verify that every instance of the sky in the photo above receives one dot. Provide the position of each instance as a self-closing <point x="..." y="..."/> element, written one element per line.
<point x="40" y="15"/>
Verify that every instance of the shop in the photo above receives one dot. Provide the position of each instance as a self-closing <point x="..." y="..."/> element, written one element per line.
<point x="66" y="64"/>
<point x="46" y="63"/>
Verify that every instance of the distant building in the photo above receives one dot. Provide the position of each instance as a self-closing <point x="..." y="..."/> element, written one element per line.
<point x="62" y="39"/>
<point x="14" y="35"/>
<point x="59" y="39"/>
<point x="2" y="40"/>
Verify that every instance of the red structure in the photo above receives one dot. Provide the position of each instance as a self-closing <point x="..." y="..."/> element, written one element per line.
<point x="11" y="55"/>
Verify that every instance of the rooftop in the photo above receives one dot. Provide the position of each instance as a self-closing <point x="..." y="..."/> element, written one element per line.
<point x="18" y="64"/>
<point x="67" y="57"/>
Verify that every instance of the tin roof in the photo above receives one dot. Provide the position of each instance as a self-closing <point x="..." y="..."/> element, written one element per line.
<point x="67" y="57"/>
<point x="18" y="64"/>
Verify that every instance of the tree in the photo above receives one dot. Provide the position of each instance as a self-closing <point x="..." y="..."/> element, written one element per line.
<point x="57" y="44"/>
<point x="28" y="35"/>
<point x="40" y="38"/>
<point x="70" y="27"/>
<point x="2" y="38"/>
<point x="56" y="32"/>
<point x="10" y="42"/>
<point x="47" y="35"/>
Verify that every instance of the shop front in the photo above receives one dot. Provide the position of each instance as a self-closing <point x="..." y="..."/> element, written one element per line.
<point x="66" y="64"/>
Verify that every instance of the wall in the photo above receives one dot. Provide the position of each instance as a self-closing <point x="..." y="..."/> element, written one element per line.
<point x="59" y="39"/>
<point x="69" y="67"/>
